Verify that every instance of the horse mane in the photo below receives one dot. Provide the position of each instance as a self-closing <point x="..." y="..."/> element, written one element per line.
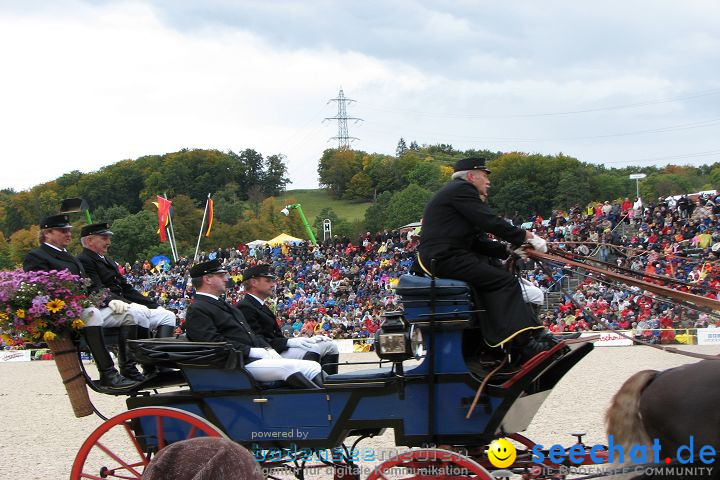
<point x="622" y="419"/>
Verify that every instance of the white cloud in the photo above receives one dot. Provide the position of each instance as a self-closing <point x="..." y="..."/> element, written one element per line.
<point x="85" y="85"/>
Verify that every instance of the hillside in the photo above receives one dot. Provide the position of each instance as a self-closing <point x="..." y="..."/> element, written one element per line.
<point x="313" y="201"/>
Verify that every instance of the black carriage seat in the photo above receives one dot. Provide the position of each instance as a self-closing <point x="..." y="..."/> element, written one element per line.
<point x="184" y="354"/>
<point x="457" y="306"/>
<point x="360" y="376"/>
<point x="455" y="301"/>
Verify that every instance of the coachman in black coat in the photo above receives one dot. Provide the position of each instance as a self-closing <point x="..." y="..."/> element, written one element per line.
<point x="263" y="321"/>
<point x="455" y="227"/>
<point x="46" y="258"/>
<point x="105" y="273"/>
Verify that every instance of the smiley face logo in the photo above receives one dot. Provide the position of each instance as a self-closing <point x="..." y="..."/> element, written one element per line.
<point x="501" y="453"/>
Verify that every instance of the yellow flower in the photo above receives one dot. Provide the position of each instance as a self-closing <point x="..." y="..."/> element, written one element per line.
<point x="6" y="339"/>
<point x="55" y="305"/>
<point x="41" y="324"/>
<point x="3" y="316"/>
<point x="49" y="336"/>
<point x="20" y="313"/>
<point x="78" y="324"/>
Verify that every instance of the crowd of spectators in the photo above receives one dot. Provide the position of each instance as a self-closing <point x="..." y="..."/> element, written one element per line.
<point x="678" y="238"/>
<point x="338" y="288"/>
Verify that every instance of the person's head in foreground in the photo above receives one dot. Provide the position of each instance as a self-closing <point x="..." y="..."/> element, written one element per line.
<point x="203" y="458"/>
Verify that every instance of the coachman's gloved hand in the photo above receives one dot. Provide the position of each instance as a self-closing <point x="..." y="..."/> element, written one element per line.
<point x="300" y="342"/>
<point x="516" y="252"/>
<point x="118" y="307"/>
<point x="538" y="243"/>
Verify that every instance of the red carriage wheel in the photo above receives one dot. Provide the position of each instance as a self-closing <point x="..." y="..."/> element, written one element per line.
<point x="430" y="464"/>
<point x="117" y="448"/>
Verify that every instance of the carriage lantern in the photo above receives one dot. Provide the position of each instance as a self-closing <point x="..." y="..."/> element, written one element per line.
<point x="396" y="341"/>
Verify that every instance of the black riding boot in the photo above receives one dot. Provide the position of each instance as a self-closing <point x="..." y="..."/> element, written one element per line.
<point x="147" y="370"/>
<point x="165" y="331"/>
<point x="109" y="377"/>
<point x="330" y="369"/>
<point x="319" y="379"/>
<point x="312" y="356"/>
<point x="298" y="380"/>
<point x="126" y="359"/>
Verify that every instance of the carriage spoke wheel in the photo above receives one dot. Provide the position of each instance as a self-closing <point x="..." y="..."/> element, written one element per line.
<point x="429" y="464"/>
<point x="115" y="448"/>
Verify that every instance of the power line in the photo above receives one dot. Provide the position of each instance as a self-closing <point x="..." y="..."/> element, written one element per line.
<point x="707" y="153"/>
<point x="550" y="114"/>
<point x="669" y="128"/>
<point x="343" y="137"/>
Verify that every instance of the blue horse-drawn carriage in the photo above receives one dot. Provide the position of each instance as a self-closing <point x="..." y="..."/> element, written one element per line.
<point x="432" y="385"/>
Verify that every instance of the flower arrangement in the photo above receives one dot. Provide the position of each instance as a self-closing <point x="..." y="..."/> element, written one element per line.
<point x="40" y="306"/>
<point x="47" y="307"/>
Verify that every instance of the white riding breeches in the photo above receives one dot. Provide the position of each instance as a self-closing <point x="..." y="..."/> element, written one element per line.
<point x="104" y="317"/>
<point x="321" y="348"/>
<point x="272" y="369"/>
<point x="151" y="318"/>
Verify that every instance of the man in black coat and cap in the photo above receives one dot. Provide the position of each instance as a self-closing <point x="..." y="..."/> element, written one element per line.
<point x="455" y="227"/>
<point x="259" y="285"/>
<point x="148" y="315"/>
<point x="55" y="236"/>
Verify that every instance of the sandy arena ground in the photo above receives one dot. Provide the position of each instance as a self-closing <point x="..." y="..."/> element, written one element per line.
<point x="41" y="436"/>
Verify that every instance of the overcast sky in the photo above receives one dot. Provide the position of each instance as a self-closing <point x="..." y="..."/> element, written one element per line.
<point x="86" y="84"/>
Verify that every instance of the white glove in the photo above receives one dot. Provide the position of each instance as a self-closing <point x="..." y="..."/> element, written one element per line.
<point x="139" y="307"/>
<point x="517" y="252"/>
<point x="263" y="353"/>
<point x="118" y="307"/>
<point x="300" y="342"/>
<point x="538" y="243"/>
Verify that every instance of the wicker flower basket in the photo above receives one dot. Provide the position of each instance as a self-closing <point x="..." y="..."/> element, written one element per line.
<point x="68" y="364"/>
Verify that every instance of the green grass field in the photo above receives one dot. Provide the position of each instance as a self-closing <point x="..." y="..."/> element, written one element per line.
<point x="313" y="201"/>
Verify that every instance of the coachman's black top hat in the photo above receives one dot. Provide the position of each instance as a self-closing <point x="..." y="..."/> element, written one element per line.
<point x="96" y="229"/>
<point x="56" y="221"/>
<point x="207" y="268"/>
<point x="471" y="163"/>
<point x="262" y="270"/>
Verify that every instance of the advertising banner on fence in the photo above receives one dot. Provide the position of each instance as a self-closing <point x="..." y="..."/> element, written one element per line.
<point x="344" y="346"/>
<point x="15" y="356"/>
<point x="611" y="339"/>
<point x="708" y="336"/>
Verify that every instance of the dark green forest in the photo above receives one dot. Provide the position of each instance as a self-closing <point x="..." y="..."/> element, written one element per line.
<point x="244" y="186"/>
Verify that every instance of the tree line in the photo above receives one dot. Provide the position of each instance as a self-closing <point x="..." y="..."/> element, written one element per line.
<point x="244" y="185"/>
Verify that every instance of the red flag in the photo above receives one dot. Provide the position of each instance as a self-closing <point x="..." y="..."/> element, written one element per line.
<point x="163" y="205"/>
<point x="210" y="216"/>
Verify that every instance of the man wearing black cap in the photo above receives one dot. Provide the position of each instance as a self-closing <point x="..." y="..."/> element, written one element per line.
<point x="259" y="285"/>
<point x="148" y="315"/>
<point x="55" y="236"/>
<point x="210" y="319"/>
<point x="456" y="224"/>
